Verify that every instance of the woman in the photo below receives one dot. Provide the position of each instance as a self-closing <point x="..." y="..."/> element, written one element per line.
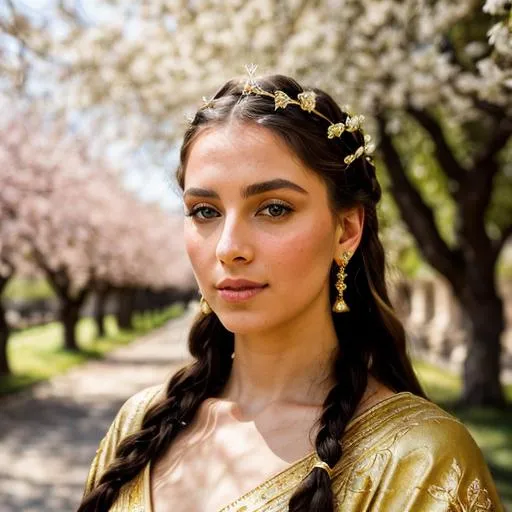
<point x="301" y="396"/>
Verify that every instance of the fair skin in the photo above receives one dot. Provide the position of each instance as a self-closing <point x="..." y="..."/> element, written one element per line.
<point x="284" y="336"/>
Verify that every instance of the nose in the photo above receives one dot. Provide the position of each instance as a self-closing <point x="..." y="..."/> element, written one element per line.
<point x="234" y="244"/>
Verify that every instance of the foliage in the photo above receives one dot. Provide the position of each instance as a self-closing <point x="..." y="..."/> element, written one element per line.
<point x="433" y="78"/>
<point x="27" y="289"/>
<point x="70" y="216"/>
<point x="149" y="64"/>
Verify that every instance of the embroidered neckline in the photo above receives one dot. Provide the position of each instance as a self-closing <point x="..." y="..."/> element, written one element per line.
<point x="298" y="469"/>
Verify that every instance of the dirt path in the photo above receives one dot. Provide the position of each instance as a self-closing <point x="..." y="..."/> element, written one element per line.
<point x="49" y="435"/>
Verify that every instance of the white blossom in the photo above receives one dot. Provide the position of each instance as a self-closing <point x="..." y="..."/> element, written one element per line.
<point x="144" y="66"/>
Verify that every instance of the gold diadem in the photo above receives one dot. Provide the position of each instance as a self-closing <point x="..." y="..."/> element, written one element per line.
<point x="307" y="101"/>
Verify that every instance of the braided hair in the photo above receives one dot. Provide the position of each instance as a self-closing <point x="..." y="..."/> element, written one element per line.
<point x="373" y="337"/>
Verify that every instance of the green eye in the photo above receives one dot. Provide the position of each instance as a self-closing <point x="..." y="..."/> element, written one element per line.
<point x="277" y="210"/>
<point x="205" y="211"/>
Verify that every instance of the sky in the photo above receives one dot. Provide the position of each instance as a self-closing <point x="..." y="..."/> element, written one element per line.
<point x="140" y="174"/>
<point x="154" y="183"/>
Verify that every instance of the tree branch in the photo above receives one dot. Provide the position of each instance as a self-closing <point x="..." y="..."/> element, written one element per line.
<point x="485" y="168"/>
<point x="71" y="14"/>
<point x="417" y="214"/>
<point x="444" y="154"/>
<point x="58" y="280"/>
<point x="498" y="141"/>
<point x="488" y="107"/>
<point x="82" y="294"/>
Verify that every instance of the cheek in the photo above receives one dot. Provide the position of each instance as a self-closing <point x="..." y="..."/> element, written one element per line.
<point x="302" y="252"/>
<point x="195" y="247"/>
<point x="299" y="250"/>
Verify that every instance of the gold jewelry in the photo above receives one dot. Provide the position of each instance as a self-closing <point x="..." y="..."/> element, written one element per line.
<point x="323" y="465"/>
<point x="307" y="101"/>
<point x="340" y="306"/>
<point x="207" y="103"/>
<point x="204" y="306"/>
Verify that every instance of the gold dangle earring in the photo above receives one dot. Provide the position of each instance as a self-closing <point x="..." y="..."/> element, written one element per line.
<point x="204" y="306"/>
<point x="340" y="306"/>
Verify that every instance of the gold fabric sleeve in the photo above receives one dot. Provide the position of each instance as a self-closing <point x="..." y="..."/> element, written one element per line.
<point x="127" y="421"/>
<point x="414" y="457"/>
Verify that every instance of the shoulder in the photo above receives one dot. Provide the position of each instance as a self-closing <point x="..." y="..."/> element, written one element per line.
<point x="127" y="421"/>
<point x="422" y="426"/>
<point x="440" y="450"/>
<point x="130" y="415"/>
<point x="409" y="454"/>
<point x="414" y="424"/>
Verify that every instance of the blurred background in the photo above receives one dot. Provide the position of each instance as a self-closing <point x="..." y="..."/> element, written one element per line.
<point x="96" y="290"/>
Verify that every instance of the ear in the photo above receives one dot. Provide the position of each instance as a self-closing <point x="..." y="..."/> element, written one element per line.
<point x="349" y="231"/>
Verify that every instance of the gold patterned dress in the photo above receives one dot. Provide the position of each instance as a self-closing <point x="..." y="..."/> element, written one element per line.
<point x="403" y="454"/>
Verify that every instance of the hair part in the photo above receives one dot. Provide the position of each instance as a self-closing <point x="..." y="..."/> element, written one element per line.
<point x="371" y="336"/>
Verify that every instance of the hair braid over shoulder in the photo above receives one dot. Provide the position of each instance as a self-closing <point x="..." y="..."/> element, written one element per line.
<point x="212" y="346"/>
<point x="315" y="492"/>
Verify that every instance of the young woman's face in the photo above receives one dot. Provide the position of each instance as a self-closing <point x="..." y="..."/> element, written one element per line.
<point x="254" y="212"/>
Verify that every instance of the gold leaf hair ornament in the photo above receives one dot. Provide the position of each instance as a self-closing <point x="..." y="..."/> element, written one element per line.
<point x="281" y="100"/>
<point x="306" y="100"/>
<point x="335" y="130"/>
<point x="207" y="103"/>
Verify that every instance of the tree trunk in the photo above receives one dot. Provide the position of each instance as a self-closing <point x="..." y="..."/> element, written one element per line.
<point x="99" y="310"/>
<point x="5" y="368"/>
<point x="70" y="302"/>
<point x="70" y="315"/>
<point x="125" y="308"/>
<point x="482" y="365"/>
<point x="4" y="338"/>
<point x="469" y="265"/>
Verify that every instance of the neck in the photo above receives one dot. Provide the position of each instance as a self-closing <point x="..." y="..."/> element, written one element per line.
<point x="291" y="364"/>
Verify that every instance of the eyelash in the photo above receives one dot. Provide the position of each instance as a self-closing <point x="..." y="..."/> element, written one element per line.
<point x="200" y="208"/>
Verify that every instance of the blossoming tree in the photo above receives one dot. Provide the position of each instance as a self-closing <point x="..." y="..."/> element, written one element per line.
<point x="14" y="249"/>
<point x="441" y="69"/>
<point x="71" y="218"/>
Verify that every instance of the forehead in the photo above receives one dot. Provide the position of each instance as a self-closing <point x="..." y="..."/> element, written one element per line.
<point x="243" y="153"/>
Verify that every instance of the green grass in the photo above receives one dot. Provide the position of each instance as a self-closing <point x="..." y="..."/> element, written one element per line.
<point x="36" y="354"/>
<point x="22" y="288"/>
<point x="492" y="429"/>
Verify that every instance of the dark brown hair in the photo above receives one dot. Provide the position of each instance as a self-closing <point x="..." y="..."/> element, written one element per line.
<point x="371" y="335"/>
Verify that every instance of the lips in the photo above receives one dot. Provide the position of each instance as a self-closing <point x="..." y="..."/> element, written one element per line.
<point x="239" y="295"/>
<point x="239" y="284"/>
<point x="241" y="288"/>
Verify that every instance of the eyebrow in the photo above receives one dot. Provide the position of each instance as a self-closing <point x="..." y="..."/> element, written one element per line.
<point x="250" y="190"/>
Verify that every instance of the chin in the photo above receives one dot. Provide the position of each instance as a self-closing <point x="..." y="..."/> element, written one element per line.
<point x="245" y="322"/>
